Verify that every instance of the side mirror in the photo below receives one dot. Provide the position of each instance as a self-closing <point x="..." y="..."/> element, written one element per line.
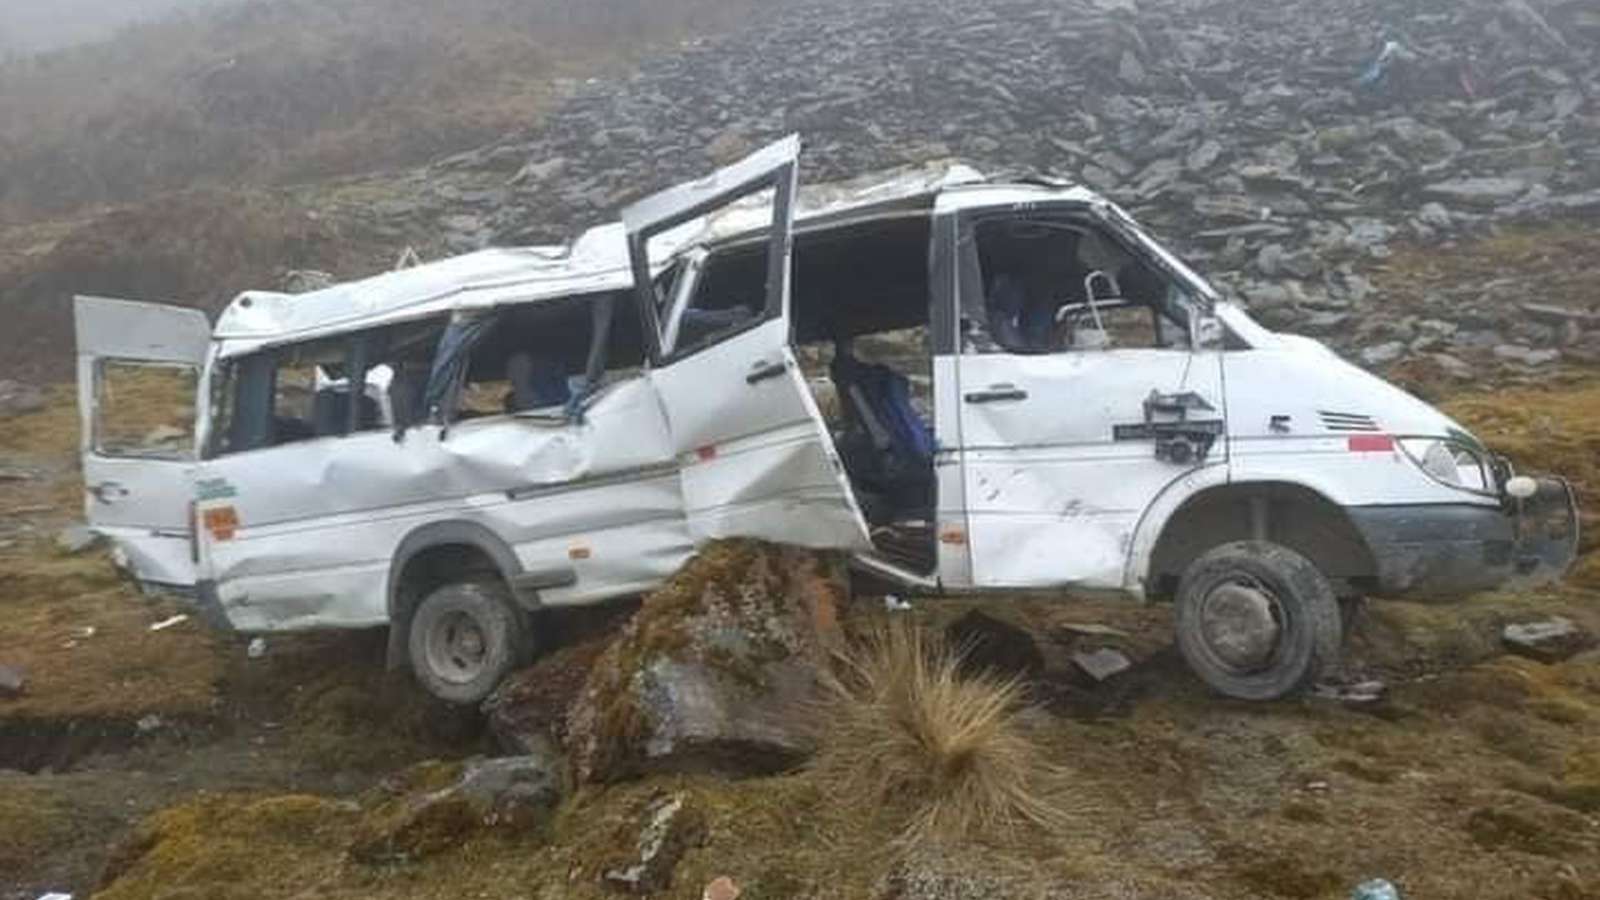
<point x="1205" y="332"/>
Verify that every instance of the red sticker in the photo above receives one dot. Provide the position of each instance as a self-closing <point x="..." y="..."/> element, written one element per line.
<point x="1371" y="443"/>
<point x="222" y="522"/>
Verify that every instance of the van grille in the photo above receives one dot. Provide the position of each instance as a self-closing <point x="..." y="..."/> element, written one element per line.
<point x="1338" y="421"/>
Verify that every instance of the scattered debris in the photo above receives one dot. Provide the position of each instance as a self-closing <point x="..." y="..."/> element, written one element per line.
<point x="1551" y="640"/>
<point x="149" y="723"/>
<point x="894" y="603"/>
<point x="670" y="826"/>
<point x="12" y="682"/>
<point x="1357" y="692"/>
<point x="166" y="623"/>
<point x="722" y="888"/>
<point x="1102" y="664"/>
<point x="1376" y="889"/>
<point x="256" y="649"/>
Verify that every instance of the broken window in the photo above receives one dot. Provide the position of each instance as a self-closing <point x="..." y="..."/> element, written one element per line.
<point x="364" y="381"/>
<point x="1051" y="284"/>
<point x="145" y="410"/>
<point x="543" y="359"/>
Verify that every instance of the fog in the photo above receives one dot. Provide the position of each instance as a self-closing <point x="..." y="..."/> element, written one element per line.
<point x="28" y="26"/>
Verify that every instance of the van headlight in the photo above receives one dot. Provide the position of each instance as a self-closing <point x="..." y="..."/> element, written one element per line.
<point x="1449" y="462"/>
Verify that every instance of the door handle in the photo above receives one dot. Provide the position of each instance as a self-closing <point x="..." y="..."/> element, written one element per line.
<point x="764" y="371"/>
<point x="998" y="393"/>
<point x="108" y="491"/>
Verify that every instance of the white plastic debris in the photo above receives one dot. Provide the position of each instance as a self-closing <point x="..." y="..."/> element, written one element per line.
<point x="257" y="648"/>
<point x="55" y="896"/>
<point x="1376" y="889"/>
<point x="893" y="603"/>
<point x="164" y="624"/>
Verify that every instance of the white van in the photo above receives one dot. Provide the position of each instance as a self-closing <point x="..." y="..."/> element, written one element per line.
<point x="968" y="386"/>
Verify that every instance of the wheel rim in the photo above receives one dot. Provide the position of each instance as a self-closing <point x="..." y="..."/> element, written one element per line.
<point x="457" y="648"/>
<point x="1241" y="625"/>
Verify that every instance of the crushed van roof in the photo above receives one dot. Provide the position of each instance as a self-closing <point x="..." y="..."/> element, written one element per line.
<point x="594" y="263"/>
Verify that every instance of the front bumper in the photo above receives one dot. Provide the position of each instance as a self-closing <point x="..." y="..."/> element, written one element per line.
<point x="1453" y="549"/>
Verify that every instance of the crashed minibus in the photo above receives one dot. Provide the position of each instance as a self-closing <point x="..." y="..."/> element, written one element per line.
<point x="968" y="386"/>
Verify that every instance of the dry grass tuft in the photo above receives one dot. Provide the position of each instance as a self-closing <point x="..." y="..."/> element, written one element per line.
<point x="905" y="729"/>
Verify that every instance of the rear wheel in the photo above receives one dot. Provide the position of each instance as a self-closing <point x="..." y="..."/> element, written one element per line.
<point x="1257" y="621"/>
<point x="464" y="638"/>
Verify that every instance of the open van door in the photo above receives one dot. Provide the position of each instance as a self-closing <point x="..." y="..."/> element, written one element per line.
<point x="755" y="455"/>
<point x="139" y="368"/>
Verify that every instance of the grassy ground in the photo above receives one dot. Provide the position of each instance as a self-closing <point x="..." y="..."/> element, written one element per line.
<point x="1476" y="778"/>
<point x="1473" y="780"/>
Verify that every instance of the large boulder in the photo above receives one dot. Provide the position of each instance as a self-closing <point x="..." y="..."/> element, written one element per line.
<point x="530" y="708"/>
<point x="711" y="673"/>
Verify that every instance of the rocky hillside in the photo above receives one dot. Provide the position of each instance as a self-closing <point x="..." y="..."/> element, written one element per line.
<point x="1286" y="147"/>
<point x="1291" y="149"/>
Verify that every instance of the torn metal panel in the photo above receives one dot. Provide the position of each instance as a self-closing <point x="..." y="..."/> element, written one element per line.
<point x="307" y="541"/>
<point x="757" y="459"/>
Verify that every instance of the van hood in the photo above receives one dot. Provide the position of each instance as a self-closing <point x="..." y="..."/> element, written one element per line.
<point x="1302" y="378"/>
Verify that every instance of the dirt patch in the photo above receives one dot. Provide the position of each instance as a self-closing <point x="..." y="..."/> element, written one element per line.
<point x="96" y="674"/>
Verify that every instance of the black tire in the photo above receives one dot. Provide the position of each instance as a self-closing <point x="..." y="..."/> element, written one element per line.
<point x="1222" y="634"/>
<point x="464" y="638"/>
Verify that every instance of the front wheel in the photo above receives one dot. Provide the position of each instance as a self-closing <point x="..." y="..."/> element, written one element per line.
<point x="1257" y="621"/>
<point x="464" y="638"/>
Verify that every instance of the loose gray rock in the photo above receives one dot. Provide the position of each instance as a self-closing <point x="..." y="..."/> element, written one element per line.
<point x="17" y="398"/>
<point x="1102" y="664"/>
<point x="12" y="682"/>
<point x="1526" y="355"/>
<point x="513" y="794"/>
<point x="1551" y="640"/>
<point x="1383" y="354"/>
<point x="670" y="826"/>
<point x="1482" y="193"/>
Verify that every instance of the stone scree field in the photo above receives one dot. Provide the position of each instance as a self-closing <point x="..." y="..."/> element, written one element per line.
<point x="1429" y="211"/>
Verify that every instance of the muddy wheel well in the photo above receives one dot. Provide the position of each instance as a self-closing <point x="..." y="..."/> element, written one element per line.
<point x="433" y="557"/>
<point x="1286" y="514"/>
<point x="435" y="567"/>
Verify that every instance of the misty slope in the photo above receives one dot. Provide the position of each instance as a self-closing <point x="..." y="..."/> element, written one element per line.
<point x="29" y="26"/>
<point x="294" y="89"/>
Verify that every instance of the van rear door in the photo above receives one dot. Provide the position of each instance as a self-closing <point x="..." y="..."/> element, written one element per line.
<point x="755" y="455"/>
<point x="139" y="367"/>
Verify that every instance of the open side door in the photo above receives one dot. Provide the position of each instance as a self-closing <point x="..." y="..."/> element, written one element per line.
<point x="755" y="455"/>
<point x="139" y="368"/>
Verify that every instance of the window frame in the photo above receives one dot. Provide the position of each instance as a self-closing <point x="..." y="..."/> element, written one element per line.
<point x="96" y="425"/>
<point x="971" y="303"/>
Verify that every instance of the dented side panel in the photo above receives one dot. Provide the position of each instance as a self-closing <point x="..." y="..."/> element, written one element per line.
<point x="1053" y="496"/>
<point x="302" y="535"/>
<point x="756" y="460"/>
